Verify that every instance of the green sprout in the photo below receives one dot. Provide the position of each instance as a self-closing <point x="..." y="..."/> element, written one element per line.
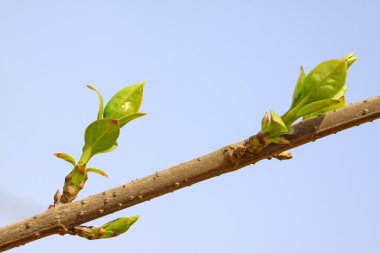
<point x="320" y="91"/>
<point x="108" y="230"/>
<point x="101" y="137"/>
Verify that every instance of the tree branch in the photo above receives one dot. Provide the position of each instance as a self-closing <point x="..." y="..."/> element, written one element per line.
<point x="61" y="218"/>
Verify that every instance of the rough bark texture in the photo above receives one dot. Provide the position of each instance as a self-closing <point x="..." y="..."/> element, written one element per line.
<point x="61" y="218"/>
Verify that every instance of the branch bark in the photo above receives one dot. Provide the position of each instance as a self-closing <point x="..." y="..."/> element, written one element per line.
<point x="61" y="218"/>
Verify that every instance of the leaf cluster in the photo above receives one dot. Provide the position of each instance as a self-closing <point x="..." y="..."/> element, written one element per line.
<point x="320" y="91"/>
<point x="101" y="137"/>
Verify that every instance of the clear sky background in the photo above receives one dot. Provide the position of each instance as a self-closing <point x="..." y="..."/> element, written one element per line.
<point x="212" y="69"/>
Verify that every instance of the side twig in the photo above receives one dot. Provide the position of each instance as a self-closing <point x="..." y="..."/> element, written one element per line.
<point x="63" y="218"/>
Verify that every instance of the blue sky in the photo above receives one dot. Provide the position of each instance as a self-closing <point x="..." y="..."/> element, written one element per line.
<point x="212" y="69"/>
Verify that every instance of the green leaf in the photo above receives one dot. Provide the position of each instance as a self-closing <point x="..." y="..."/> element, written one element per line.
<point x="324" y="81"/>
<point x="341" y="104"/>
<point x="298" y="88"/>
<point x="100" y="136"/>
<point x="66" y="157"/>
<point x="126" y="119"/>
<point x="110" y="149"/>
<point x="265" y="123"/>
<point x="277" y="126"/>
<point x="327" y="79"/>
<point x="316" y="106"/>
<point x="97" y="171"/>
<point x="100" y="111"/>
<point x="124" y="102"/>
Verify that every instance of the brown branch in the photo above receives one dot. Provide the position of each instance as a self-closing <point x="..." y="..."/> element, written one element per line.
<point x="61" y="218"/>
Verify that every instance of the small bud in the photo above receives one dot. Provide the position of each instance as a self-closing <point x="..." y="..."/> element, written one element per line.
<point x="57" y="197"/>
<point x="101" y="231"/>
<point x="81" y="168"/>
<point x="283" y="141"/>
<point x="265" y="122"/>
<point x="68" y="177"/>
<point x="81" y="185"/>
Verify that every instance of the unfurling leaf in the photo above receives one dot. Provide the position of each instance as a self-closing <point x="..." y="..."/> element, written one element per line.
<point x="108" y="230"/>
<point x="124" y="102"/>
<point x="100" y="136"/>
<point x="126" y="119"/>
<point x="341" y="104"/>
<point x="97" y="171"/>
<point x="100" y="110"/>
<point x="321" y="90"/>
<point x="318" y="92"/>
<point x="66" y="157"/>
<point x="275" y="127"/>
<point x="265" y="123"/>
<point x="317" y="106"/>
<point x="298" y="88"/>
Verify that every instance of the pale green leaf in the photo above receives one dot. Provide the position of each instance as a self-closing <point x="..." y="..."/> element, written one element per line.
<point x="124" y="102"/>
<point x="316" y="106"/>
<point x="265" y="123"/>
<point x="126" y="119"/>
<point x="277" y="126"/>
<point x="100" y="136"/>
<point x="341" y="104"/>
<point x="298" y="88"/>
<point x="324" y="81"/>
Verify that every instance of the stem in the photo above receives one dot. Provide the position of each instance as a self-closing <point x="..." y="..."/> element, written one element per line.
<point x="60" y="218"/>
<point x="289" y="116"/>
